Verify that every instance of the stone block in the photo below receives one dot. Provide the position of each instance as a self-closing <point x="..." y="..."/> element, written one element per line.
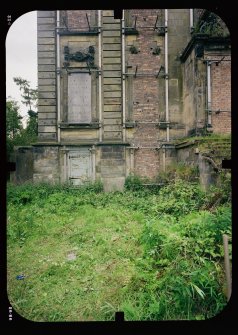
<point x="43" y="82"/>
<point x="112" y="94"/>
<point x="111" y="26"/>
<point x="110" y="88"/>
<point x="112" y="101"/>
<point x="46" y="68"/>
<point x="109" y="135"/>
<point x="46" y="40"/>
<point x="46" y="95"/>
<point x="46" y="33"/>
<point x="47" y="102"/>
<point x="109" y="171"/>
<point x="45" y="20"/>
<point x="110" y="19"/>
<point x="111" y="47"/>
<point x="111" y="33"/>
<point x="48" y="88"/>
<point x="46" y="75"/>
<point x="112" y="74"/>
<point x="45" y="13"/>
<point x="113" y="184"/>
<point x="42" y="27"/>
<point x="46" y="61"/>
<point x="46" y="48"/>
<point x="112" y="81"/>
<point x="108" y="13"/>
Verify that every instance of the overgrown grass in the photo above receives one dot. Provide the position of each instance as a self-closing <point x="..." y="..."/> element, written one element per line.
<point x="85" y="254"/>
<point x="181" y="268"/>
<point x="205" y="138"/>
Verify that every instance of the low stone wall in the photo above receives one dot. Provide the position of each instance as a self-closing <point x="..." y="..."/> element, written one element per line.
<point x="46" y="164"/>
<point x="111" y="167"/>
<point x="207" y="174"/>
<point x="187" y="155"/>
<point x="208" y="169"/>
<point x="23" y="157"/>
<point x="113" y="162"/>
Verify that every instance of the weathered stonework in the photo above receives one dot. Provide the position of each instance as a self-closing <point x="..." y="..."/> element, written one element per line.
<point x="102" y="119"/>
<point x="24" y="165"/>
<point x="46" y="164"/>
<point x="111" y="167"/>
<point x="46" y="34"/>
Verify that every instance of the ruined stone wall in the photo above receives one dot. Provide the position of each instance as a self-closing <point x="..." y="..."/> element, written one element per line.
<point x="194" y="94"/>
<point x="178" y="37"/>
<point x="120" y="148"/>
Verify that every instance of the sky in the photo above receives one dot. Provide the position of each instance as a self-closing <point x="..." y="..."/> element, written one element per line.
<point x="21" y="56"/>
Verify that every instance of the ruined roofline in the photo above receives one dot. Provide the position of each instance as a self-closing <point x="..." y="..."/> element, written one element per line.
<point x="205" y="40"/>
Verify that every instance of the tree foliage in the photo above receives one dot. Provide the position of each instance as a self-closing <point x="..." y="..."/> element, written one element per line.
<point x="13" y="125"/>
<point x="13" y="119"/>
<point x="16" y="134"/>
<point x="30" y="98"/>
<point x="29" y="94"/>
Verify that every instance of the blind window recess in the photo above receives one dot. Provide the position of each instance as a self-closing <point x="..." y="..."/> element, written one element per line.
<point x="79" y="98"/>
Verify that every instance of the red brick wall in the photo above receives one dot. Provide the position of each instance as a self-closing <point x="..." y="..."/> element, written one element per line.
<point x="146" y="90"/>
<point x="221" y="123"/>
<point x="76" y="19"/>
<point x="221" y="86"/>
<point x="221" y="97"/>
<point x="147" y="163"/>
<point x="145" y="99"/>
<point x="145" y="135"/>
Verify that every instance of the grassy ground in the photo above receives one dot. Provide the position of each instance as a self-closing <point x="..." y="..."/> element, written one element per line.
<point x="85" y="255"/>
<point x="75" y="268"/>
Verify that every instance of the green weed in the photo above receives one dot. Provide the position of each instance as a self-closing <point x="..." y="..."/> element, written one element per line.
<point x="86" y="254"/>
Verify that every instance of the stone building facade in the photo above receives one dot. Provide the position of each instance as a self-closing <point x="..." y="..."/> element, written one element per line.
<point x="115" y="93"/>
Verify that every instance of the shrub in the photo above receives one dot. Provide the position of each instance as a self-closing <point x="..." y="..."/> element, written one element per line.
<point x="29" y="192"/>
<point x="133" y="183"/>
<point x="187" y="255"/>
<point x="178" y="171"/>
